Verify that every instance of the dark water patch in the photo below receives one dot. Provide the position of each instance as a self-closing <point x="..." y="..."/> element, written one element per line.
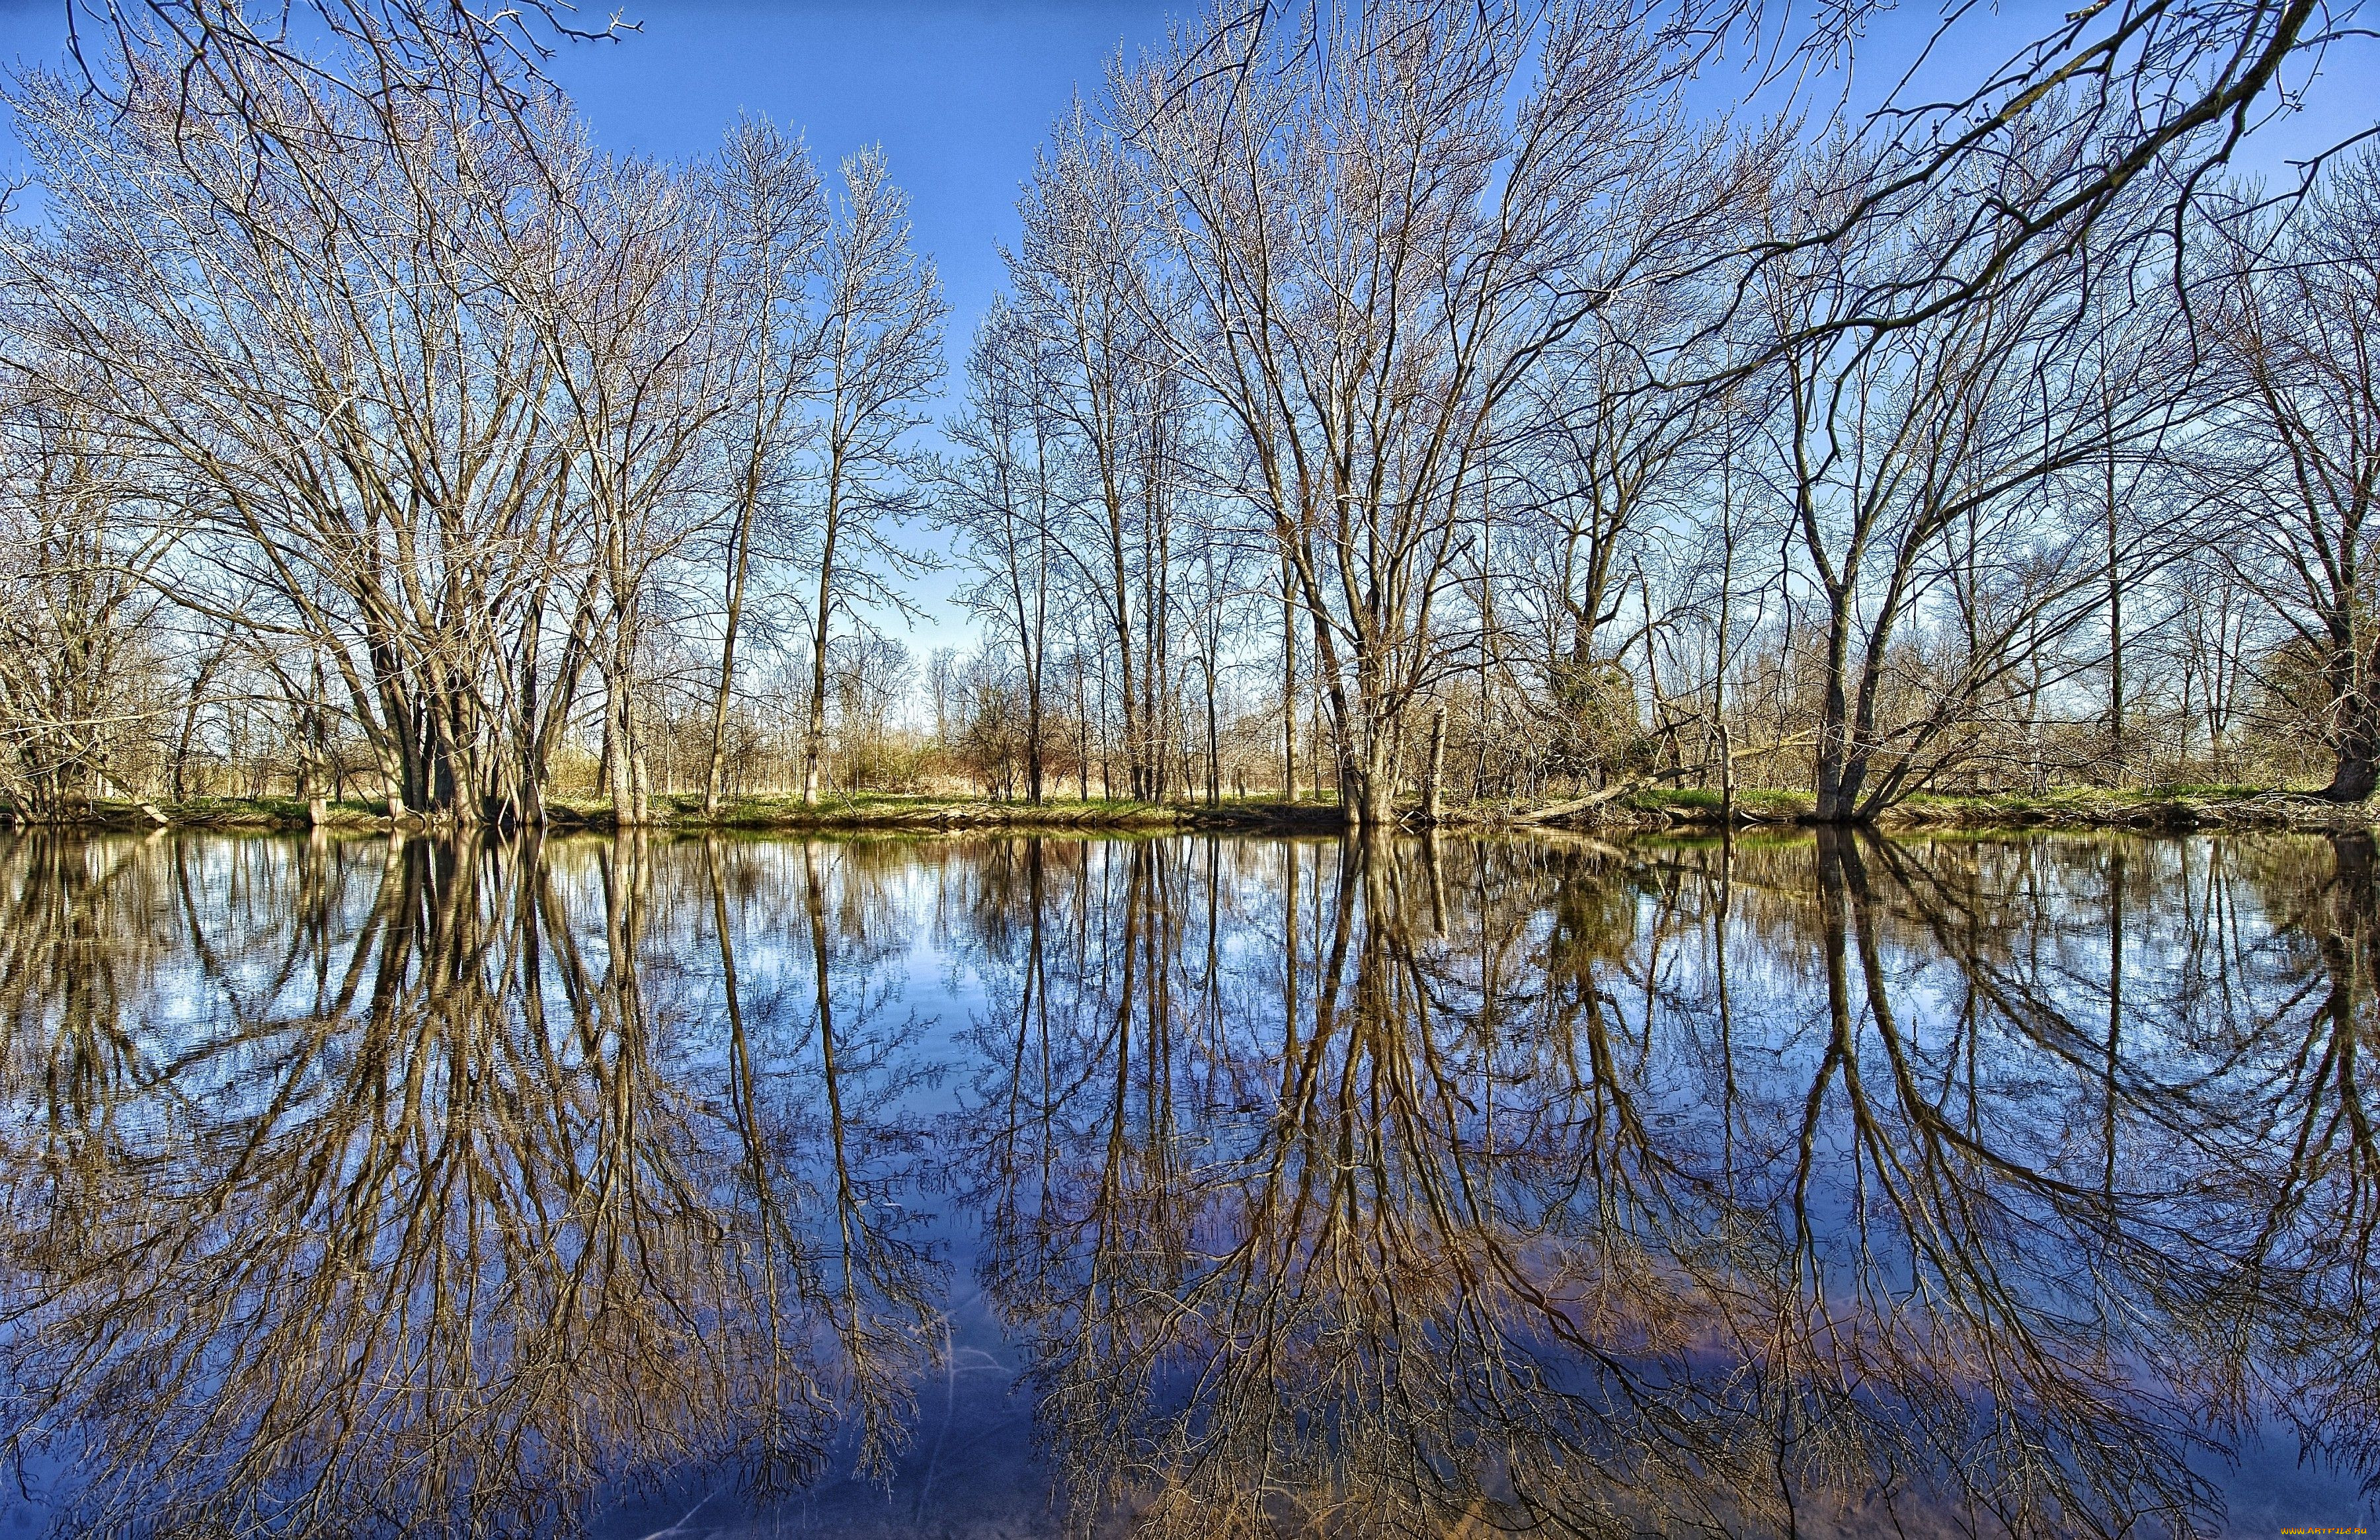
<point x="1196" y="1185"/>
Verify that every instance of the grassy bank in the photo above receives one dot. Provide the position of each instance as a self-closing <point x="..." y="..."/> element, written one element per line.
<point x="884" y="811"/>
<point x="768" y="814"/>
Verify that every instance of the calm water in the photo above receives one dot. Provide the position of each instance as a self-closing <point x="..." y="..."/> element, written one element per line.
<point x="1010" y="1187"/>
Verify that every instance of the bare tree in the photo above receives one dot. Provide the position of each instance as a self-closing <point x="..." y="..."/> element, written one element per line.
<point x="1372" y="250"/>
<point x="880" y="351"/>
<point x="774" y="227"/>
<point x="1920" y="465"/>
<point x="1003" y="495"/>
<point x="1103" y="372"/>
<point x="80" y="535"/>
<point x="319" y="353"/>
<point x="2299" y="330"/>
<point x="622" y="292"/>
<point x="2159" y="93"/>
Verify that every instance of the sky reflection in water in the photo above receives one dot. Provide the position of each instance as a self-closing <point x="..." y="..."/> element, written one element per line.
<point x="1820" y="1185"/>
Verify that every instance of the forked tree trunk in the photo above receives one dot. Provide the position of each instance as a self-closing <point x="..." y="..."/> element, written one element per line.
<point x="1431" y="788"/>
<point x="1841" y="758"/>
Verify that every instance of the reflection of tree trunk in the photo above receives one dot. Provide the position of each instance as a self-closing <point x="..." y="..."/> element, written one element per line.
<point x="1136" y="907"/>
<point x="742" y="1081"/>
<point x="1288" y="902"/>
<point x="2349" y="932"/>
<point x="626" y="873"/>
<point x="2115" y="1017"/>
<point x="1721" y="918"/>
<point x="1840" y="874"/>
<point x="822" y="999"/>
<point x="866" y="1263"/>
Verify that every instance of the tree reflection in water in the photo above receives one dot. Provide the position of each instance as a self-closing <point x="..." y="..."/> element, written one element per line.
<point x="1791" y="1187"/>
<point x="449" y="1201"/>
<point x="1759" y="1190"/>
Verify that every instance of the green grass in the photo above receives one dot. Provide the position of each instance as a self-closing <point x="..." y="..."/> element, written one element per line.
<point x="236" y="812"/>
<point x="1759" y="802"/>
<point x="891" y="810"/>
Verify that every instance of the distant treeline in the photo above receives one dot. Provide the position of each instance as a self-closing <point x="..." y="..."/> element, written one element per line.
<point x="1403" y="399"/>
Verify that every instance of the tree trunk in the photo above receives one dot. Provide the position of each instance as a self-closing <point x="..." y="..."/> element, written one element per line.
<point x="814" y="733"/>
<point x="1726" y="777"/>
<point x="1081" y="733"/>
<point x="1431" y="794"/>
<point x="814" y="740"/>
<point x="2116" y="746"/>
<point x="1214" y="745"/>
<point x="1367" y="777"/>
<point x="710" y="781"/>
<point x="1841" y="764"/>
<point x="2358" y="769"/>
<point x="620" y="727"/>
<point x="1288" y="687"/>
<point x="1033" y="733"/>
<point x="190" y="725"/>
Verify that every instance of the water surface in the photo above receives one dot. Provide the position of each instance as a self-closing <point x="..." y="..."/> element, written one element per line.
<point x="1821" y="1185"/>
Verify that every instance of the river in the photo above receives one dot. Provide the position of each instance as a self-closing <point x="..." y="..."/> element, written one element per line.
<point x="1006" y="1186"/>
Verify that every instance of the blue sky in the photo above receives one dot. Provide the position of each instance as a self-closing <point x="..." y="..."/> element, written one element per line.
<point x="959" y="92"/>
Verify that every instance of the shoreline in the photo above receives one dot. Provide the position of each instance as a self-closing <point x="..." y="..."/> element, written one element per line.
<point x="672" y="816"/>
<point x="2177" y="810"/>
